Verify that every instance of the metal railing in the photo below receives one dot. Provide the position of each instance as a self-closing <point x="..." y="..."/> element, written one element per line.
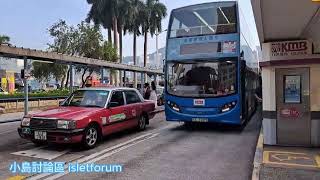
<point x="20" y="99"/>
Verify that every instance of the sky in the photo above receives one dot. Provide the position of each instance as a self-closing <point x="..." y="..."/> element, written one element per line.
<point x="27" y="22"/>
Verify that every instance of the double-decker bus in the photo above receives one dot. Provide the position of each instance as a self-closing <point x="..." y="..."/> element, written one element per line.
<point x="211" y="66"/>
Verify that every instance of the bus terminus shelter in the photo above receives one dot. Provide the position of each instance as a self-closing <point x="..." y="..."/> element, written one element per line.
<point x="32" y="54"/>
<point x="289" y="31"/>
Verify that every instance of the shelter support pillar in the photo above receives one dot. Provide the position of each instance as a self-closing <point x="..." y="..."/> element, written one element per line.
<point x="25" y="82"/>
<point x="71" y="77"/>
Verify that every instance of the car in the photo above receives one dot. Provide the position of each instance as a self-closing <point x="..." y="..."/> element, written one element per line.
<point x="87" y="115"/>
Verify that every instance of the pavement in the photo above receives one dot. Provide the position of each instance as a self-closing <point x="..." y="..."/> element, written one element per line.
<point x="290" y="163"/>
<point x="12" y="117"/>
<point x="165" y="150"/>
<point x="285" y="163"/>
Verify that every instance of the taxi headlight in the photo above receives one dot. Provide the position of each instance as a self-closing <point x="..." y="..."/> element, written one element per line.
<point x="64" y="124"/>
<point x="25" y="121"/>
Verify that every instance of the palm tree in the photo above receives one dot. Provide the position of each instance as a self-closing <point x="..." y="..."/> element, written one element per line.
<point x="4" y="39"/>
<point x="154" y="12"/>
<point x="106" y="13"/>
<point x="100" y="16"/>
<point x="133" y="24"/>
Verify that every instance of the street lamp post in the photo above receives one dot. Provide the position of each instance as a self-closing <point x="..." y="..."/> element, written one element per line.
<point x="157" y="53"/>
<point x="157" y="47"/>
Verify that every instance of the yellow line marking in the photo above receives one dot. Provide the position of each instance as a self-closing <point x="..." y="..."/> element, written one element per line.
<point x="266" y="160"/>
<point x="286" y="152"/>
<point x="18" y="177"/>
<point x="260" y="141"/>
<point x="288" y="158"/>
<point x="318" y="160"/>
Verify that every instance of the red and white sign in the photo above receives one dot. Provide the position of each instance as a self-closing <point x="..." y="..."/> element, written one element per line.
<point x="229" y="47"/>
<point x="199" y="102"/>
<point x="290" y="113"/>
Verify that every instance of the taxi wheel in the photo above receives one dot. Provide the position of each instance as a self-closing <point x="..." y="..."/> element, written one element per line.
<point x="90" y="137"/>
<point x="142" y="123"/>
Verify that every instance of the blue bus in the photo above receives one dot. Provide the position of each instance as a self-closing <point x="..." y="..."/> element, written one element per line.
<point x="211" y="65"/>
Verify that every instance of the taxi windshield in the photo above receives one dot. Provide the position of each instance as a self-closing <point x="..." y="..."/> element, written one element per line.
<point x="87" y="98"/>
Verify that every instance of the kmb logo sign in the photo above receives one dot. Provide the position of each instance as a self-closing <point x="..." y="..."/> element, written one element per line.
<point x="290" y="48"/>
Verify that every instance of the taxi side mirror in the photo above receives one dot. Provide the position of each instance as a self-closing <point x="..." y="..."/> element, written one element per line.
<point x="61" y="103"/>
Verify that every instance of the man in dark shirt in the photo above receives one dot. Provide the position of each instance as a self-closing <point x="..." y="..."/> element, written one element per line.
<point x="147" y="91"/>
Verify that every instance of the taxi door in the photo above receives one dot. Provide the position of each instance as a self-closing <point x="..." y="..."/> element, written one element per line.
<point x="133" y="107"/>
<point x="117" y="116"/>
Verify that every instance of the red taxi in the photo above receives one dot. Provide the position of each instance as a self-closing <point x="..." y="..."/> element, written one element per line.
<point x="87" y="115"/>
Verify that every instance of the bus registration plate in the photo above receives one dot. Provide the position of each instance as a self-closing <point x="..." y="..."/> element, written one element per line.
<point x="199" y="119"/>
<point x="198" y="102"/>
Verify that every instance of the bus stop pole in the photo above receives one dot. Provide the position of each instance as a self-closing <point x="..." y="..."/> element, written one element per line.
<point x="71" y="77"/>
<point x="25" y="82"/>
<point x="121" y="79"/>
<point x="124" y="78"/>
<point x="142" y="83"/>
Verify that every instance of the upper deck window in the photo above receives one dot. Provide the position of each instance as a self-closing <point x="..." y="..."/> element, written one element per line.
<point x="204" y="19"/>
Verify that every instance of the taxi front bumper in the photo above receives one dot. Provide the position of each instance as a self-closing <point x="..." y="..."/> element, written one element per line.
<point x="53" y="136"/>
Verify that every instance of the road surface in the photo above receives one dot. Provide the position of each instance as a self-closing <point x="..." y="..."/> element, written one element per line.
<point x="165" y="150"/>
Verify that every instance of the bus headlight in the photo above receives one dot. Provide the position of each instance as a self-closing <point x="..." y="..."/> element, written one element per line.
<point x="227" y="107"/>
<point x="173" y="106"/>
<point x="64" y="124"/>
<point x="25" y="121"/>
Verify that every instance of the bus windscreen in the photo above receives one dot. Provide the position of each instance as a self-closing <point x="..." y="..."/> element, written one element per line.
<point x="202" y="79"/>
<point x="205" y="19"/>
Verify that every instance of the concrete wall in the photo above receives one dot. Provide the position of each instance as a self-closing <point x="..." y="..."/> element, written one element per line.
<point x="37" y="104"/>
<point x="269" y="103"/>
<point x="268" y="89"/>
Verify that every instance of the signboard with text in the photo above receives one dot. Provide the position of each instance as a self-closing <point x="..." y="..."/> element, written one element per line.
<point x="290" y="48"/>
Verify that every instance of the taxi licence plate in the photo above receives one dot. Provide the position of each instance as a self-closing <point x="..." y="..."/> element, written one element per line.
<point x="40" y="135"/>
<point x="199" y="119"/>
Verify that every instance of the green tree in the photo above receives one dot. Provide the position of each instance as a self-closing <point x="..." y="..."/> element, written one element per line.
<point x="153" y="13"/>
<point x="133" y="24"/>
<point x="83" y="40"/>
<point x="4" y="39"/>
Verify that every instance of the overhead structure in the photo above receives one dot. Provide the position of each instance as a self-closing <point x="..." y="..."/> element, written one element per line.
<point x="288" y="20"/>
<point x="22" y="53"/>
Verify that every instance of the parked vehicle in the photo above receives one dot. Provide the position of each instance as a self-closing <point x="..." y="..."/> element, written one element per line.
<point x="87" y="115"/>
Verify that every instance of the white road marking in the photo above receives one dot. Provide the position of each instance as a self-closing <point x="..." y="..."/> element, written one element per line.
<point x="56" y="176"/>
<point x="108" y="152"/>
<point x="101" y="154"/>
<point x="41" y="153"/>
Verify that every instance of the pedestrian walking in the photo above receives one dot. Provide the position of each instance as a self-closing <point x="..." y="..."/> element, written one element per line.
<point x="146" y="91"/>
<point x="153" y="93"/>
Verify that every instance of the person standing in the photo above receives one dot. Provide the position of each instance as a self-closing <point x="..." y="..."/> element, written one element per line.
<point x="153" y="93"/>
<point x="147" y="91"/>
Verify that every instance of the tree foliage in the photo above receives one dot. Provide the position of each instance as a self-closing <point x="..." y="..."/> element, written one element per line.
<point x="82" y="40"/>
<point x="4" y="39"/>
